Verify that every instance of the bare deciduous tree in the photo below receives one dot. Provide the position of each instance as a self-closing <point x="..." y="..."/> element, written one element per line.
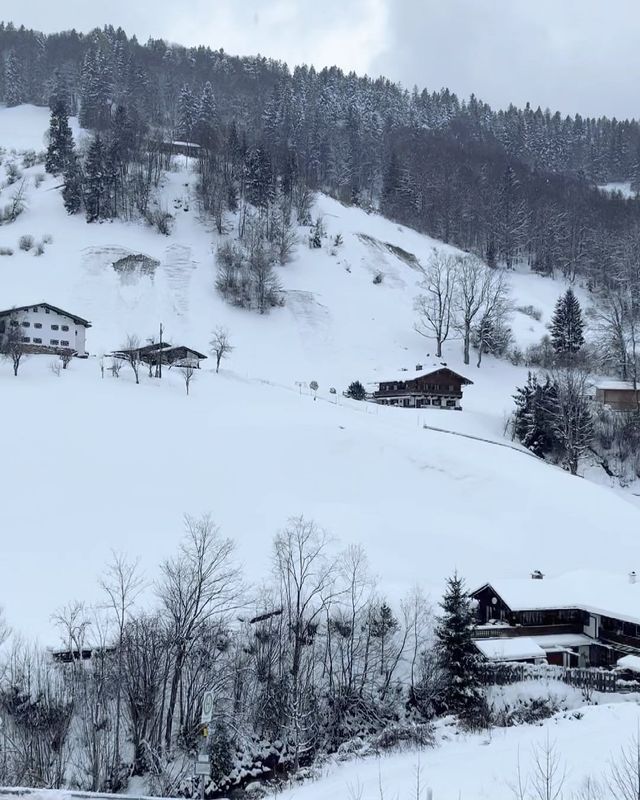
<point x="13" y="348"/>
<point x="122" y="585"/>
<point x="188" y="372"/>
<point x="469" y="297"/>
<point x="131" y="354"/>
<point x="197" y="585"/>
<point x="434" y="307"/>
<point x="305" y="574"/>
<point x="495" y="308"/>
<point x="571" y="416"/>
<point x="220" y="345"/>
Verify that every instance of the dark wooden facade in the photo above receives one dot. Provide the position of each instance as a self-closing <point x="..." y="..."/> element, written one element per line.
<point x="441" y="388"/>
<point x="611" y="637"/>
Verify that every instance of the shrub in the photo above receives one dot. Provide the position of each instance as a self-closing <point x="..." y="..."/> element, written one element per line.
<point x="38" y="178"/>
<point x="161" y="220"/>
<point x="530" y="311"/>
<point x="356" y="391"/>
<point x="6" y="251"/>
<point x="378" y="277"/>
<point x="13" y="173"/>
<point x="26" y="242"/>
<point x="47" y="238"/>
<point x="29" y="159"/>
<point x="39" y="249"/>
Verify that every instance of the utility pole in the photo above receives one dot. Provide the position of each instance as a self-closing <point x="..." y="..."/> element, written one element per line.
<point x="160" y="355"/>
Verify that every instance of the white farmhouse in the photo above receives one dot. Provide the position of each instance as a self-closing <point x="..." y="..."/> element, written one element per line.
<point x="46" y="328"/>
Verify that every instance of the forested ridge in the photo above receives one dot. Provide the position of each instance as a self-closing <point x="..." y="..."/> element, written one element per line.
<point x="511" y="185"/>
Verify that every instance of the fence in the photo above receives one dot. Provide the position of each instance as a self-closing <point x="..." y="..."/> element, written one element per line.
<point x="599" y="680"/>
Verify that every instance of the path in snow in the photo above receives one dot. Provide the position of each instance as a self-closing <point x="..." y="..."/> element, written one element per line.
<point x="178" y="268"/>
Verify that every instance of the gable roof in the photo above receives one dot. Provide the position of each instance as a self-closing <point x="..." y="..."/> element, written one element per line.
<point x="409" y="375"/>
<point x="76" y="319"/>
<point x="592" y="591"/>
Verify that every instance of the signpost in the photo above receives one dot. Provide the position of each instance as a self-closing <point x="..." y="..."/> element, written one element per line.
<point x="202" y="767"/>
<point x="207" y="707"/>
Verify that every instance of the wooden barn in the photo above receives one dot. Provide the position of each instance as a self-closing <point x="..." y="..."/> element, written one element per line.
<point x="618" y="395"/>
<point x="439" y="388"/>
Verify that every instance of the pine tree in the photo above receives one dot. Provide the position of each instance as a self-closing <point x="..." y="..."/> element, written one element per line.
<point x="60" y="94"/>
<point x="206" y="116"/>
<point x="533" y="417"/>
<point x="94" y="184"/>
<point x="356" y="391"/>
<point x="13" y="80"/>
<point x="187" y="114"/>
<point x="60" y="141"/>
<point x="566" y="326"/>
<point x="73" y="185"/>
<point x="457" y="653"/>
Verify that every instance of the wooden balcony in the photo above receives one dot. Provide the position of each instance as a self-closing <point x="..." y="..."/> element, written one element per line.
<point x="508" y="632"/>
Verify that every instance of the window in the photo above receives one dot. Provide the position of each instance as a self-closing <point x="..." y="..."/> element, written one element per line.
<point x="26" y="339"/>
<point x="64" y="328"/>
<point x="436" y="401"/>
<point x="26" y="324"/>
<point x="37" y="324"/>
<point x="451" y="403"/>
<point x="54" y="327"/>
<point x="14" y="322"/>
<point x="54" y="341"/>
<point x="46" y="311"/>
<point x="64" y="343"/>
<point x="37" y="341"/>
<point x="35" y="309"/>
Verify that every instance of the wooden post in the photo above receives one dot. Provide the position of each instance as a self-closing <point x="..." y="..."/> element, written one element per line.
<point x="160" y="355"/>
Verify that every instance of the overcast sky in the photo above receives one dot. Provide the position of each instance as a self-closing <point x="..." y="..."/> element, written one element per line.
<point x="573" y="55"/>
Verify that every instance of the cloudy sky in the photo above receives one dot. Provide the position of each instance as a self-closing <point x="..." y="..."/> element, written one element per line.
<point x="575" y="55"/>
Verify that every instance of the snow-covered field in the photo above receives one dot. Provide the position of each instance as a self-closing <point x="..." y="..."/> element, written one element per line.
<point x="98" y="464"/>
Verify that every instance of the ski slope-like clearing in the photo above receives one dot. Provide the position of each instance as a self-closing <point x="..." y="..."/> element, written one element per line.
<point x="95" y="464"/>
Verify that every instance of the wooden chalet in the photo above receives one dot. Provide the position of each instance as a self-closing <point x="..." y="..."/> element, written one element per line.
<point x="438" y="388"/>
<point x="576" y="620"/>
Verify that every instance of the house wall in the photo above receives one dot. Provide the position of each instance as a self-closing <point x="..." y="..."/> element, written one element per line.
<point x="47" y="319"/>
<point x="619" y="399"/>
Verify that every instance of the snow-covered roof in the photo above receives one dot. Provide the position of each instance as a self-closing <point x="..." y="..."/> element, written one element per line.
<point x="626" y="385"/>
<point x="559" y="641"/>
<point x="612" y="595"/>
<point x="516" y="649"/>
<point x="43" y="304"/>
<point x="632" y="663"/>
<point x="411" y="373"/>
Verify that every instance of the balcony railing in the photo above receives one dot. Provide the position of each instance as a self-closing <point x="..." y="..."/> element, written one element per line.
<point x="508" y="632"/>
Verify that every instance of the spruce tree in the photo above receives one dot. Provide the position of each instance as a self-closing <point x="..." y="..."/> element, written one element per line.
<point x="458" y="655"/>
<point x="356" y="391"/>
<point x="13" y="80"/>
<point x="206" y="116"/>
<point x="73" y="185"/>
<point x="187" y="114"/>
<point x="94" y="184"/>
<point x="533" y="417"/>
<point x="60" y="146"/>
<point x="566" y="326"/>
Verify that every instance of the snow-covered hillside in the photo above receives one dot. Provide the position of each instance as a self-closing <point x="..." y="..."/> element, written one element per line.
<point x="94" y="464"/>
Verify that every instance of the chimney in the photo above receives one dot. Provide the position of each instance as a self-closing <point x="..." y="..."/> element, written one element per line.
<point x="632" y="576"/>
<point x="418" y="367"/>
<point x="536" y="575"/>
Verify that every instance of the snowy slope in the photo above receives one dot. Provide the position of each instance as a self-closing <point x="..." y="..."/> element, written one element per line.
<point x="584" y="742"/>
<point x="98" y="464"/>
